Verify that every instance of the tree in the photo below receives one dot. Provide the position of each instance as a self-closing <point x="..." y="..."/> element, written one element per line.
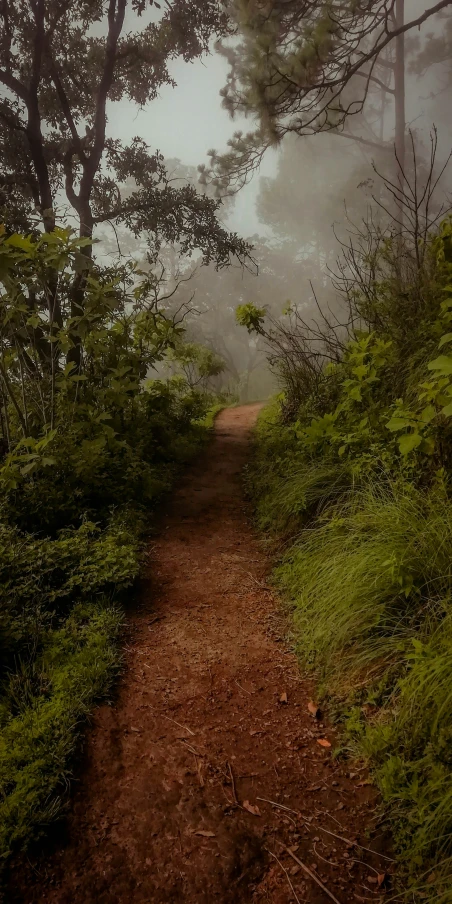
<point x="306" y="67"/>
<point x="62" y="62"/>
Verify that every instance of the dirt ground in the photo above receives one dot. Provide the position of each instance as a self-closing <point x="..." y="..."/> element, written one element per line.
<point x="209" y="779"/>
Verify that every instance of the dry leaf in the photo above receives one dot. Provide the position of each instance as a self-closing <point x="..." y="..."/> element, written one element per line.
<point x="205" y="833"/>
<point x="381" y="879"/>
<point x="135" y="729"/>
<point x="323" y="742"/>
<point x="251" y="809"/>
<point x="314" y="709"/>
<point x="283" y="698"/>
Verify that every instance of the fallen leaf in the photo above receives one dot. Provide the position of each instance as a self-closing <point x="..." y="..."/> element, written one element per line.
<point x="323" y="742"/>
<point x="314" y="709"/>
<point x="251" y="809"/>
<point x="283" y="698"/>
<point x="205" y="833"/>
<point x="372" y="880"/>
<point x="135" y="729"/>
<point x="381" y="879"/>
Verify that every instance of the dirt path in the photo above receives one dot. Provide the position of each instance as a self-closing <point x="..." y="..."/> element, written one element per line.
<point x="212" y="713"/>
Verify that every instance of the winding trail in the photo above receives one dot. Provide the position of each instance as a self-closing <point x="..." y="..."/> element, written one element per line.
<point x="211" y="718"/>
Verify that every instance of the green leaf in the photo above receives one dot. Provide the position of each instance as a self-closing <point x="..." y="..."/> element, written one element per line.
<point x="27" y="468"/>
<point x="409" y="442"/>
<point x="428" y="414"/>
<point x="443" y="364"/>
<point x="444" y="339"/>
<point x="447" y="410"/>
<point x="399" y="423"/>
<point x="20" y="241"/>
<point x="361" y="371"/>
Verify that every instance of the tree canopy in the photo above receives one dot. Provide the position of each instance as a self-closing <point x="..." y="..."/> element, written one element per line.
<point x="62" y="64"/>
<point x="303" y="67"/>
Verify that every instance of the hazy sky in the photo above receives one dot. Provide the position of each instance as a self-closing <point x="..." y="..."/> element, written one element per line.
<point x="184" y="122"/>
<point x="187" y="121"/>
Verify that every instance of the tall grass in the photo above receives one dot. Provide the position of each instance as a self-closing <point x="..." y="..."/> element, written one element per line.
<point x="369" y="581"/>
<point x="287" y="489"/>
<point x="370" y="574"/>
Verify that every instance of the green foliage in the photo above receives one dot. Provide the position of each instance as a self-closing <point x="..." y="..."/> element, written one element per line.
<point x="357" y="476"/>
<point x="88" y="447"/>
<point x="197" y="363"/>
<point x="250" y="316"/>
<point x="42" y="710"/>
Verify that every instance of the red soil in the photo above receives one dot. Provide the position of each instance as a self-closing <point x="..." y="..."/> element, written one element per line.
<point x="210" y="731"/>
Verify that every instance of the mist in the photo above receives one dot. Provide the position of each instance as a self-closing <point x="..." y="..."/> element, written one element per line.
<point x="299" y="203"/>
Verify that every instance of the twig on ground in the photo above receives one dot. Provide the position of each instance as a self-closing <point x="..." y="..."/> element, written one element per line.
<point x="243" y="689"/>
<point x="355" y="844"/>
<point x="328" y="862"/>
<point x="189" y="747"/>
<point x="274" y="804"/>
<point x="286" y="873"/>
<point x="184" y="727"/>
<point x="234" y="792"/>
<point x="310" y="873"/>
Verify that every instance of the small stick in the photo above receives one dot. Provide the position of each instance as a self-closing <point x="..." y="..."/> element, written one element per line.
<point x="189" y="747"/>
<point x="243" y="689"/>
<point x="287" y="874"/>
<point x="184" y="727"/>
<point x="274" y="804"/>
<point x="356" y="844"/>
<point x="234" y="792"/>
<point x="310" y="873"/>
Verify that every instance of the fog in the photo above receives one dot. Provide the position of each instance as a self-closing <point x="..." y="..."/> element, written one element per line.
<point x="304" y="194"/>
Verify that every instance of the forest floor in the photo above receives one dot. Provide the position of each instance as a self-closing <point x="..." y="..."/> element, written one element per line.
<point x="208" y="779"/>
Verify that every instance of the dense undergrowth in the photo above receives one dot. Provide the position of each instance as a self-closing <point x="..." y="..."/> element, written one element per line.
<point x="351" y="475"/>
<point x="62" y="594"/>
<point x="89" y="446"/>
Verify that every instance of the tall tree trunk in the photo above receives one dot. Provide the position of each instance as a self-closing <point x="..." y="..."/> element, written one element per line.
<point x="399" y="89"/>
